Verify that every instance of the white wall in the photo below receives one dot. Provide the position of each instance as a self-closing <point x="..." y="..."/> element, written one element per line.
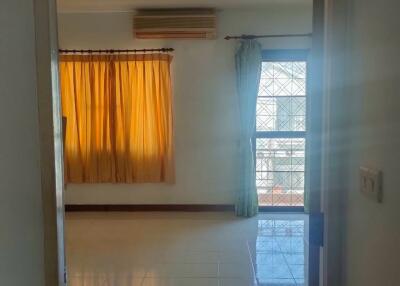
<point x="205" y="102"/>
<point x="21" y="221"/>
<point x="371" y="231"/>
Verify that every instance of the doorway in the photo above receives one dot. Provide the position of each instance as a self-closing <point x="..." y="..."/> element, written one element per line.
<point x="280" y="146"/>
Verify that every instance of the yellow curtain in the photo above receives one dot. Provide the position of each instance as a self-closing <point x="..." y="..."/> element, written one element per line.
<point x="119" y="118"/>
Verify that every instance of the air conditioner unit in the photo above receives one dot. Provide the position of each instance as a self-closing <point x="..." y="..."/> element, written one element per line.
<point x="175" y="24"/>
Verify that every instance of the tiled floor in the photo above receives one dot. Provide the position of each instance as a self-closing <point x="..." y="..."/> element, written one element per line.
<point x="186" y="249"/>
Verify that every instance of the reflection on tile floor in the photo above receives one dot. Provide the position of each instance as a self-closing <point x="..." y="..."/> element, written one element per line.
<point x="280" y="251"/>
<point x="186" y="249"/>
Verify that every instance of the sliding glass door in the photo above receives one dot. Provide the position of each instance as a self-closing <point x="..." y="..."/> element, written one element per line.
<point x="280" y="135"/>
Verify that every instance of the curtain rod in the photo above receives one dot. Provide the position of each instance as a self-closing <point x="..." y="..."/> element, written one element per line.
<point x="250" y="37"/>
<point x="162" y="50"/>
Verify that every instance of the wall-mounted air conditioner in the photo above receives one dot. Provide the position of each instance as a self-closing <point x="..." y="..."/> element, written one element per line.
<point x="175" y="24"/>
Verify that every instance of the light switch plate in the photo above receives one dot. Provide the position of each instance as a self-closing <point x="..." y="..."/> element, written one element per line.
<point x="371" y="183"/>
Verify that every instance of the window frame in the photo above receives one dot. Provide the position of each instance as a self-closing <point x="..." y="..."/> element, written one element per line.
<point x="277" y="55"/>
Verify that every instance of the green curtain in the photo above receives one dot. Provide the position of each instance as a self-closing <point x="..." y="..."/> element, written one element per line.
<point x="248" y="71"/>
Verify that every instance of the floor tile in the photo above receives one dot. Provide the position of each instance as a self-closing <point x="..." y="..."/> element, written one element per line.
<point x="122" y="280"/>
<point x="273" y="272"/>
<point x="201" y="257"/>
<point x="267" y="244"/>
<point x="276" y="282"/>
<point x="269" y="258"/>
<point x="236" y="270"/>
<point x="87" y="280"/>
<point x="236" y="282"/>
<point x="234" y="257"/>
<point x="103" y="268"/>
<point x="180" y="282"/>
<point x="297" y="271"/>
<point x="295" y="259"/>
<point x="180" y="270"/>
<point x="132" y="249"/>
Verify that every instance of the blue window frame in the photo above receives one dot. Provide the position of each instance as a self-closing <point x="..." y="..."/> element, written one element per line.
<point x="280" y="134"/>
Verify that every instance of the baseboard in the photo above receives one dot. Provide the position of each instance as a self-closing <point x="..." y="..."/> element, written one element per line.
<point x="150" y="208"/>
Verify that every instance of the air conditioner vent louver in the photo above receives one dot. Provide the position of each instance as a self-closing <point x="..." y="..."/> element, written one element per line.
<point x="200" y="24"/>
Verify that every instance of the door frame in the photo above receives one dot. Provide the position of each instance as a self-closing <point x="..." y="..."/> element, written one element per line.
<point x="315" y="147"/>
<point x="51" y="143"/>
<point x="334" y="175"/>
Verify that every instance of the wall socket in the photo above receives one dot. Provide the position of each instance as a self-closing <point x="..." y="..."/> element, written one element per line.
<point x="371" y="183"/>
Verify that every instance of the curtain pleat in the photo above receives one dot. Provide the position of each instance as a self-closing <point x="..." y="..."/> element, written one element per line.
<point x="119" y="118"/>
<point x="248" y="71"/>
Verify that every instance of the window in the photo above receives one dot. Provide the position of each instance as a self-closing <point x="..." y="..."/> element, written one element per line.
<point x="119" y="119"/>
<point x="281" y="129"/>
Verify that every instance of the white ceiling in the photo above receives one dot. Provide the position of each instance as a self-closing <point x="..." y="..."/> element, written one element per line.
<point x="129" y="5"/>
